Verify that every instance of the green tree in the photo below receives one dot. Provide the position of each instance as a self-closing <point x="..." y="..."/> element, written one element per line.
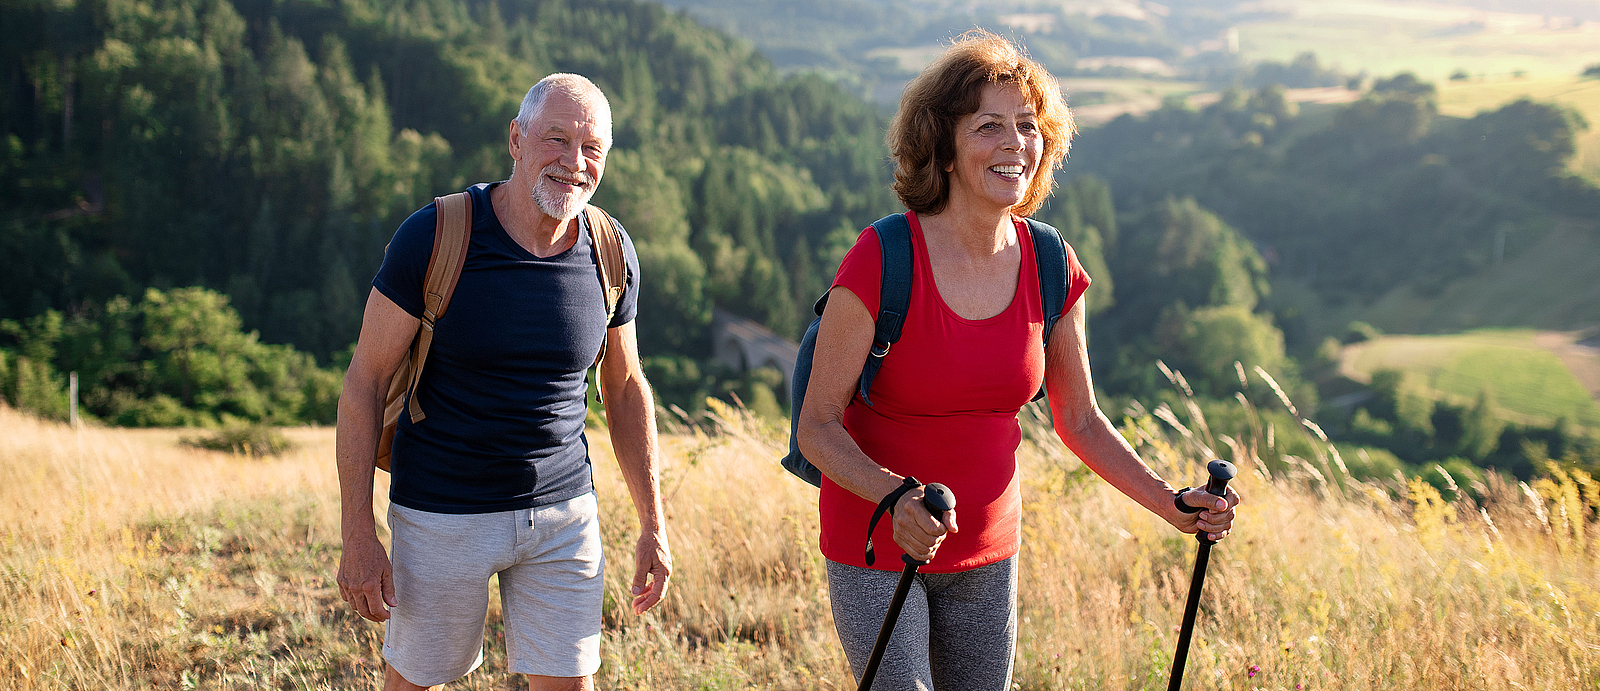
<point x="1212" y="339"/>
<point x="1083" y="211"/>
<point x="1483" y="428"/>
<point x="1516" y="147"/>
<point x="1193" y="256"/>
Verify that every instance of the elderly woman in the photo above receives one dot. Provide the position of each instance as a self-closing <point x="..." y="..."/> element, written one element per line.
<point x="976" y="140"/>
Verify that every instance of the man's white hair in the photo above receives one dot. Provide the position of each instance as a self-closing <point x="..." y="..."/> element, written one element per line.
<point x="574" y="86"/>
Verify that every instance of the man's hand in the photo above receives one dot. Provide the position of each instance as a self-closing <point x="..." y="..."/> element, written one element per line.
<point x="366" y="579"/>
<point x="652" y="561"/>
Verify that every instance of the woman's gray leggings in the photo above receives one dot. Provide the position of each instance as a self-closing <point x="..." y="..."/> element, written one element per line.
<point x="956" y="632"/>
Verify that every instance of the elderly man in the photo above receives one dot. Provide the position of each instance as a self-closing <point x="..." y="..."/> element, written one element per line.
<point x="496" y="478"/>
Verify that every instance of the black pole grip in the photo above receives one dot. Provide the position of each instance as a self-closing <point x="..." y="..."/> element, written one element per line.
<point x="1221" y="472"/>
<point x="937" y="498"/>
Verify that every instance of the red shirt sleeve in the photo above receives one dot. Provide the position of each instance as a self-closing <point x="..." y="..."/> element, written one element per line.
<point x="1077" y="280"/>
<point x="861" y="270"/>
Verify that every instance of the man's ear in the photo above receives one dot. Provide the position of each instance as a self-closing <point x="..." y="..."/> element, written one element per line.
<point x="514" y="141"/>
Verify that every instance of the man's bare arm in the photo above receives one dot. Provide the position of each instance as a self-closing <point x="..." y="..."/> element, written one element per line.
<point x="630" y="414"/>
<point x="365" y="577"/>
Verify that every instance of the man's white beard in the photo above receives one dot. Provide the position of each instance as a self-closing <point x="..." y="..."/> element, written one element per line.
<point x="562" y="207"/>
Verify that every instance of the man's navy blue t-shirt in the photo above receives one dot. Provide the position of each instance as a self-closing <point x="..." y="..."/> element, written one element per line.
<point x="504" y="386"/>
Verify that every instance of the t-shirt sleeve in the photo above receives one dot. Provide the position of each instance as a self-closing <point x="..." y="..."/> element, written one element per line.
<point x="628" y="306"/>
<point x="405" y="262"/>
<point x="861" y="270"/>
<point x="1077" y="280"/>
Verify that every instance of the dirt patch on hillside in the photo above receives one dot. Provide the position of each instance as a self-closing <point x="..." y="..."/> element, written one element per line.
<point x="1579" y="351"/>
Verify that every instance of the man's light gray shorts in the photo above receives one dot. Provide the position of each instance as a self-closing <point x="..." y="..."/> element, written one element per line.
<point x="551" y="590"/>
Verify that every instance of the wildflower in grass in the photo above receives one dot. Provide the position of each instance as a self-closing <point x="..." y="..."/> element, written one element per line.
<point x="1254" y="669"/>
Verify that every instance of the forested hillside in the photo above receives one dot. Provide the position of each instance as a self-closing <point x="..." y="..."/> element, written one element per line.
<point x="1350" y="203"/>
<point x="267" y="151"/>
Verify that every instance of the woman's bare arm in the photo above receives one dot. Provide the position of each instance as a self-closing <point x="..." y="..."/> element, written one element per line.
<point x="1091" y="436"/>
<point x="843" y="341"/>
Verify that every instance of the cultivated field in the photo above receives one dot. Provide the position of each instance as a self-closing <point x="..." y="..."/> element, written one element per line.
<point x="1528" y="380"/>
<point x="129" y="562"/>
<point x="1431" y="39"/>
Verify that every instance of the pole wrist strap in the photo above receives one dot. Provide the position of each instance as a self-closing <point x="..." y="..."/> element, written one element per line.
<point x="889" y="500"/>
<point x="1177" y="500"/>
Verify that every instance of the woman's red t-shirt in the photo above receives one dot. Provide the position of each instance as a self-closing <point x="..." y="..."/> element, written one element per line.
<point x="945" y="409"/>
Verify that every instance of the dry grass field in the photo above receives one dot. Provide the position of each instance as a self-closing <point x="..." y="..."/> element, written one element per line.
<point x="130" y="562"/>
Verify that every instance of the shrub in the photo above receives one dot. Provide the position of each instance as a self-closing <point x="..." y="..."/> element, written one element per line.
<point x="247" y="440"/>
<point x="33" y="386"/>
<point x="1360" y="332"/>
<point x="177" y="358"/>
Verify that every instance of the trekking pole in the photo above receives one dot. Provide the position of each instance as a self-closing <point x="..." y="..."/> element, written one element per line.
<point x="1221" y="472"/>
<point x="937" y="499"/>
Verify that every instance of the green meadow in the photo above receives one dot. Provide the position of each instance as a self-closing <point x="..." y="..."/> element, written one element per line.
<point x="1528" y="381"/>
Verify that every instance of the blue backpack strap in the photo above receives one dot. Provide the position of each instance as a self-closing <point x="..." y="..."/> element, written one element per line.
<point x="1050" y="253"/>
<point x="894" y="240"/>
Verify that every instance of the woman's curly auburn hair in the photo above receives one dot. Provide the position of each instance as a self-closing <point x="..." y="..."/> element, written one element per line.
<point x="922" y="135"/>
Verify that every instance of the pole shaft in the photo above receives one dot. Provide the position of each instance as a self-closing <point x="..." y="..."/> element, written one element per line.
<point x="1217" y="485"/>
<point x="1190" y="609"/>
<point x="901" y="589"/>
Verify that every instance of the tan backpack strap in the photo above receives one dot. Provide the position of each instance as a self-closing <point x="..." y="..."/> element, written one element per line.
<point x="451" y="236"/>
<point x="609" y="261"/>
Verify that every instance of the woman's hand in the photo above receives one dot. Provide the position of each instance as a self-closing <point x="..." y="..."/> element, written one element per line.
<point x="1217" y="518"/>
<point x="918" y="532"/>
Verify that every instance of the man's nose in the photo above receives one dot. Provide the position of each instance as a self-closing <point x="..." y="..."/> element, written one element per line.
<point x="572" y="157"/>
